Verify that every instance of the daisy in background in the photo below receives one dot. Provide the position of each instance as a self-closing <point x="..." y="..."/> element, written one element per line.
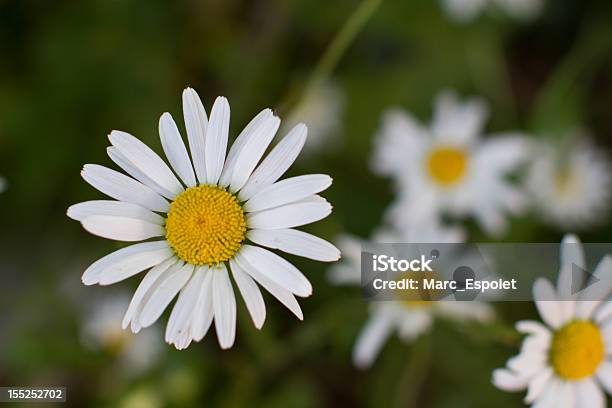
<point x="571" y="188"/>
<point x="446" y="167"/>
<point x="210" y="221"/>
<point x="3" y="184"/>
<point x="565" y="362"/>
<point x="464" y="11"/>
<point x="102" y="332"/>
<point x="409" y="318"/>
<point x="321" y="109"/>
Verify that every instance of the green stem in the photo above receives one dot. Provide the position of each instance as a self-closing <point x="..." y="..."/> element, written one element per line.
<point x="591" y="47"/>
<point x="342" y="41"/>
<point x="337" y="48"/>
<point x="415" y="372"/>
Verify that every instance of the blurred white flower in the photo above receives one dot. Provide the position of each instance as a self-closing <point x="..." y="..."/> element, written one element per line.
<point x="564" y="362"/>
<point x="321" y="110"/>
<point x="446" y="167"/>
<point x="102" y="331"/>
<point x="464" y="11"/>
<point x="3" y="184"/>
<point x="570" y="188"/>
<point x="209" y="212"/>
<point x="410" y="318"/>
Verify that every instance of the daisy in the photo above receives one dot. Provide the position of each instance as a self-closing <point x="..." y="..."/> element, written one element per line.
<point x="464" y="11"/>
<point x="409" y="318"/>
<point x="565" y="361"/>
<point x="210" y="221"/>
<point x="101" y="331"/>
<point x="570" y="188"/>
<point x="446" y="168"/>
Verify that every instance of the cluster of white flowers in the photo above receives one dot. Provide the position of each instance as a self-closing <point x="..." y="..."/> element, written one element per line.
<point x="448" y="170"/>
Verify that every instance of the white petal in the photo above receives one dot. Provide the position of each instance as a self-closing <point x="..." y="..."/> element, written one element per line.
<point x="276" y="269"/>
<point x="216" y="139"/>
<point x="528" y="363"/>
<point x="546" y="302"/>
<point x="178" y="329"/>
<point x="288" y="191"/>
<point x="604" y="375"/>
<point x="238" y="145"/>
<point x="175" y="149"/>
<point x="250" y="293"/>
<point x="122" y="187"/>
<point x="122" y="228"/>
<point x="204" y="312"/>
<point x="126" y="262"/>
<point x="196" y="123"/>
<point x="224" y="305"/>
<point x="144" y="291"/>
<point x="458" y="120"/>
<point x="251" y="153"/>
<point x="122" y="161"/>
<point x="146" y="160"/>
<point x="507" y="380"/>
<point x="534" y="328"/>
<point x="538" y="384"/>
<point x="295" y="242"/>
<point x="86" y="209"/>
<point x="502" y="152"/>
<point x="589" y="394"/>
<point x="571" y="254"/>
<point x="371" y="339"/>
<point x="280" y="293"/>
<point x="276" y="162"/>
<point x="598" y="290"/>
<point x="291" y="215"/>
<point x="604" y="312"/>
<point x="172" y="282"/>
<point x="550" y="396"/>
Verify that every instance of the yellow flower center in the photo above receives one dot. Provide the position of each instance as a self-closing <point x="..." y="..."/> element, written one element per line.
<point x="447" y="165"/>
<point x="422" y="298"/>
<point x="205" y="225"/>
<point x="577" y="349"/>
<point x="565" y="181"/>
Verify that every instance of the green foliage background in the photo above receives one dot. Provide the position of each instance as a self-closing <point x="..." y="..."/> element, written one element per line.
<point x="71" y="71"/>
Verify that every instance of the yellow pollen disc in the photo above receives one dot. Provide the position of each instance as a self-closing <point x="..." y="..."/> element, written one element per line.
<point x="565" y="181"/>
<point x="413" y="298"/>
<point x="577" y="349"/>
<point x="205" y="225"/>
<point x="447" y="165"/>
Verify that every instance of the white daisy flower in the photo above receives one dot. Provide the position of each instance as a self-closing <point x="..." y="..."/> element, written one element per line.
<point x="446" y="168"/>
<point x="565" y="362"/>
<point x="321" y="109"/>
<point x="409" y="318"/>
<point x="464" y="11"/>
<point x="213" y="218"/>
<point x="102" y="331"/>
<point x="570" y="188"/>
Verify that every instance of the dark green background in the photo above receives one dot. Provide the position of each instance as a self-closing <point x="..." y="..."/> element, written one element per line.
<point x="71" y="71"/>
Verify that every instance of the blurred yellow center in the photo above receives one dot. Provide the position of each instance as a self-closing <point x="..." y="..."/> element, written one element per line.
<point x="566" y="182"/>
<point x="421" y="297"/>
<point x="205" y="225"/>
<point x="447" y="165"/>
<point x="577" y="349"/>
